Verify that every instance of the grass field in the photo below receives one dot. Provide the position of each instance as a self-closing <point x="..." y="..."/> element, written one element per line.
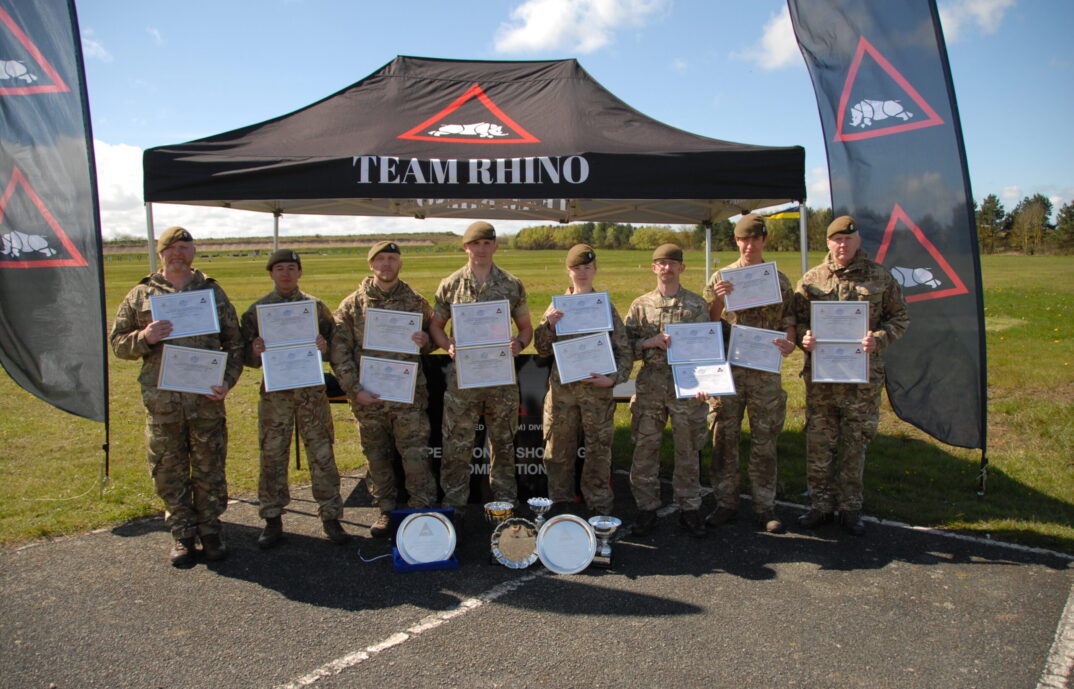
<point x="51" y="462"/>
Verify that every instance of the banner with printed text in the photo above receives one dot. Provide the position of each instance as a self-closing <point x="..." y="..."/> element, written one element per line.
<point x="897" y="164"/>
<point x="51" y="286"/>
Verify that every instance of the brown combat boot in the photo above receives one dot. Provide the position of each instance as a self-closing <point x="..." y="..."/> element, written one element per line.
<point x="272" y="533"/>
<point x="182" y="552"/>
<point x="851" y="522"/>
<point x="212" y="547"/>
<point x="382" y="526"/>
<point x="720" y="516"/>
<point x="644" y="523"/>
<point x="814" y="518"/>
<point x="691" y="521"/>
<point x="334" y="530"/>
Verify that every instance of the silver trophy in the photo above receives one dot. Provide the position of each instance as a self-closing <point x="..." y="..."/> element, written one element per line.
<point x="604" y="526"/>
<point x="539" y="506"/>
<point x="497" y="512"/>
<point x="514" y="540"/>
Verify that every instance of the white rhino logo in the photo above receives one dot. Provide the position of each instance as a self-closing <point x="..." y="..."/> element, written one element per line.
<point x="16" y="69"/>
<point x="865" y="112"/>
<point x="912" y="277"/>
<point x="482" y="130"/>
<point x="15" y="244"/>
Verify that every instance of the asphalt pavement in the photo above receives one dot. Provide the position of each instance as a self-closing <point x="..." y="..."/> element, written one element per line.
<point x="900" y="607"/>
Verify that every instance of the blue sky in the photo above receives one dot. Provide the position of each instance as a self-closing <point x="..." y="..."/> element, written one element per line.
<point x="165" y="72"/>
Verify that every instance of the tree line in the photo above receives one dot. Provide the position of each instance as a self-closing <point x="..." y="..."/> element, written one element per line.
<point x="1025" y="229"/>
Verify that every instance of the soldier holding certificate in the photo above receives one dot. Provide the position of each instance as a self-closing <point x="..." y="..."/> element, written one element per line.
<point x="656" y="399"/>
<point x="845" y="414"/>
<point x="186" y="433"/>
<point x="279" y="411"/>
<point x="385" y="426"/>
<point x="585" y="405"/>
<point x="761" y="392"/>
<point x="480" y="280"/>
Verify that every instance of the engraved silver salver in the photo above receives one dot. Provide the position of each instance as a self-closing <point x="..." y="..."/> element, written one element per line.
<point x="425" y="537"/>
<point x="566" y="544"/>
<point x="514" y="543"/>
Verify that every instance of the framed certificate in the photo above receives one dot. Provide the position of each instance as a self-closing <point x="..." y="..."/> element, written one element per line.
<point x="839" y="321"/>
<point x="187" y="369"/>
<point x="583" y="313"/>
<point x="754" y="286"/>
<point x="481" y="322"/>
<point x="391" y="331"/>
<point x="292" y="366"/>
<point x="753" y="348"/>
<point x="580" y="357"/>
<point x="484" y="366"/>
<point x="695" y="342"/>
<point x="390" y="379"/>
<point x="840" y="362"/>
<point x="287" y="323"/>
<point x="713" y="379"/>
<point x="190" y="313"/>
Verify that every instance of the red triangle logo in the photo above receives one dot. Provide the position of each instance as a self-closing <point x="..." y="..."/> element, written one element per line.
<point x="918" y="276"/>
<point x="436" y="129"/>
<point x="869" y="110"/>
<point x="22" y="250"/>
<point x="25" y="75"/>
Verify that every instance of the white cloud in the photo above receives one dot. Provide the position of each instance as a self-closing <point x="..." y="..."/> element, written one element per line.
<point x="582" y="26"/>
<point x="987" y="15"/>
<point x="1012" y="192"/>
<point x="818" y="188"/>
<point x="158" y="38"/>
<point x="92" y="48"/>
<point x="679" y="64"/>
<point x="777" y="47"/>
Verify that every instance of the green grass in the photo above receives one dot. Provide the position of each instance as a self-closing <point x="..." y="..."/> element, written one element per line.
<point x="51" y="462"/>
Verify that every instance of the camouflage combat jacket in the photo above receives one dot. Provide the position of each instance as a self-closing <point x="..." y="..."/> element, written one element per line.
<point x="650" y="312"/>
<point x="861" y="280"/>
<point x="544" y="335"/>
<point x="461" y="287"/>
<point x="250" y="330"/>
<point x="345" y="350"/>
<point x="779" y="316"/>
<point x="134" y="314"/>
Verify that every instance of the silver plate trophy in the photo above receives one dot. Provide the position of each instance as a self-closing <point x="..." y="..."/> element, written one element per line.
<point x="539" y="506"/>
<point x="566" y="544"/>
<point x="425" y="537"/>
<point x="604" y="526"/>
<point x="514" y="543"/>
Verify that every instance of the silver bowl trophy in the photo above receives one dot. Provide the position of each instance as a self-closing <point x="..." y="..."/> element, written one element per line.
<point x="514" y="540"/>
<point x="539" y="506"/>
<point x="605" y="527"/>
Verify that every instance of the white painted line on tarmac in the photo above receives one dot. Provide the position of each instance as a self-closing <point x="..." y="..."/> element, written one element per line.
<point x="1059" y="668"/>
<point x="433" y="621"/>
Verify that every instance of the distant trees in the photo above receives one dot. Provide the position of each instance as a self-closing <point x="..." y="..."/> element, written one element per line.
<point x="992" y="226"/>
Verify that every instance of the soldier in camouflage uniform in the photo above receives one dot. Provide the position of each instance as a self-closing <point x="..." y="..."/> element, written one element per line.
<point x="277" y="413"/>
<point x="479" y="280"/>
<point x="586" y="405"/>
<point x="845" y="413"/>
<point x="655" y="400"/>
<point x="186" y="433"/>
<point x="761" y="392"/>
<point x="385" y="426"/>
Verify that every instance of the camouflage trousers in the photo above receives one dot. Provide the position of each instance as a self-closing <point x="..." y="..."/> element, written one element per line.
<point x="462" y="408"/>
<point x="761" y="394"/>
<point x="650" y="408"/>
<point x="277" y="414"/>
<point x="569" y="409"/>
<point x="387" y="428"/>
<point x="186" y="461"/>
<point x="846" y="416"/>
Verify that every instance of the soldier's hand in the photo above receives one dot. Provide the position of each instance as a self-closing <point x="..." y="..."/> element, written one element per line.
<point x="701" y="395"/>
<point x="322" y="345"/>
<point x="599" y="381"/>
<point x="420" y="338"/>
<point x="723" y="288"/>
<point x="219" y="393"/>
<point x="451" y="349"/>
<point x="784" y="345"/>
<point x="258" y="345"/>
<point x="553" y="316"/>
<point x="157" y="331"/>
<point x="366" y="398"/>
<point x="809" y="343"/>
<point x="657" y="341"/>
<point x="868" y="343"/>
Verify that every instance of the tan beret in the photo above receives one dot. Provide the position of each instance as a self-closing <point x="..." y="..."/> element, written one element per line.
<point x="385" y="247"/>
<point x="844" y="224"/>
<point x="478" y="230"/>
<point x="668" y="252"/>
<point x="171" y="236"/>
<point x="284" y="256"/>
<point x="750" y="225"/>
<point x="580" y="255"/>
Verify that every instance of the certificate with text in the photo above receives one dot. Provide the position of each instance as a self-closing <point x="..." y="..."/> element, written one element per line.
<point x="839" y="321"/>
<point x="484" y="366"/>
<point x="482" y="322"/>
<point x="754" y="348"/>
<point x="391" y="331"/>
<point x="840" y="362"/>
<point x="583" y="313"/>
<point x="190" y="313"/>
<point x="390" y="379"/>
<point x="292" y="366"/>
<point x="287" y="323"/>
<point x="581" y="357"/>
<point x="695" y="342"/>
<point x="756" y="285"/>
<point x="187" y="369"/>
<point x="715" y="380"/>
